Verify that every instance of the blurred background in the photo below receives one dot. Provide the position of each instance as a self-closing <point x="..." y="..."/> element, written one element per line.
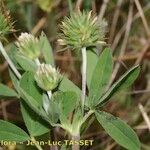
<point x="128" y="35"/>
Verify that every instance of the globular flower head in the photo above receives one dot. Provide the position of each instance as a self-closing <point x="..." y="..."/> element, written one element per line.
<point x="29" y="45"/>
<point x="82" y="30"/>
<point x="47" y="77"/>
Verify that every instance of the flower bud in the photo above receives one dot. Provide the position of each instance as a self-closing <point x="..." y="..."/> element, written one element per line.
<point x="47" y="77"/>
<point x="82" y="30"/>
<point x="29" y="45"/>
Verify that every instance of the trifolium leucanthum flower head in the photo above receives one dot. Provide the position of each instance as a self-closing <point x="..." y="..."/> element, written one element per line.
<point x="29" y="45"/>
<point x="47" y="77"/>
<point x="82" y="29"/>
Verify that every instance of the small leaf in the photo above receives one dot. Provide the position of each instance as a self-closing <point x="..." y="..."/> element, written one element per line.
<point x="10" y="132"/>
<point x="67" y="85"/>
<point x="32" y="103"/>
<point x="31" y="94"/>
<point x="92" y="59"/>
<point x="67" y="101"/>
<point x="118" y="130"/>
<point x="125" y="81"/>
<point x="35" y="124"/>
<point x="6" y="91"/>
<point x="47" y="50"/>
<point x="25" y="63"/>
<point x="28" y="83"/>
<point x="52" y="108"/>
<point x="100" y="77"/>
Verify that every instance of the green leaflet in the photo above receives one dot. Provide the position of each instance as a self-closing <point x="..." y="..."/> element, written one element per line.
<point x="26" y="63"/>
<point x="47" y="50"/>
<point x="28" y="83"/>
<point x="67" y="103"/>
<point x="125" y="81"/>
<point x="33" y="104"/>
<point x="118" y="130"/>
<point x="53" y="108"/>
<point x="35" y="124"/>
<point x="10" y="132"/>
<point x="100" y="77"/>
<point x="67" y="85"/>
<point x="6" y="91"/>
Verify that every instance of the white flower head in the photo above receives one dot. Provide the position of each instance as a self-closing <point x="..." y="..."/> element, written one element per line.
<point x="28" y="45"/>
<point x="47" y="77"/>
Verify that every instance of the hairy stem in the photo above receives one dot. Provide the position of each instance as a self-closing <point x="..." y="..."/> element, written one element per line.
<point x="84" y="66"/>
<point x="37" y="62"/>
<point x="36" y="144"/>
<point x="87" y="115"/>
<point x="11" y="64"/>
<point x="49" y="93"/>
<point x="76" y="146"/>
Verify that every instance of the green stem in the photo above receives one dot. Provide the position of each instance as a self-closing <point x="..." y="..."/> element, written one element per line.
<point x="84" y="67"/>
<point x="49" y="93"/>
<point x="70" y="6"/>
<point x="36" y="144"/>
<point x="37" y="62"/>
<point x="11" y="64"/>
<point x="87" y="115"/>
<point x="76" y="138"/>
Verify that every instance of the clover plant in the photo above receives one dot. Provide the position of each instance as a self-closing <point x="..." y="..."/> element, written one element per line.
<point x="49" y="99"/>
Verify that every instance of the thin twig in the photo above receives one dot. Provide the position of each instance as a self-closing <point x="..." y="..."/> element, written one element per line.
<point x="78" y="4"/>
<point x="121" y="31"/>
<point x="145" y="116"/>
<point x="139" y="91"/>
<point x="114" y="21"/>
<point x="4" y="110"/>
<point x="103" y="9"/>
<point x="39" y="25"/>
<point x="36" y="144"/>
<point x="124" y="44"/>
<point x="11" y="64"/>
<point x="138" y="5"/>
<point x="111" y="146"/>
<point x="145" y="48"/>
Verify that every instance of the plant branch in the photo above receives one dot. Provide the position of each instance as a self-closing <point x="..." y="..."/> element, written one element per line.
<point x="103" y="9"/>
<point x="138" y="5"/>
<point x="75" y="146"/>
<point x="36" y="144"/>
<point x="145" y="116"/>
<point x="37" y="62"/>
<point x="87" y="115"/>
<point x="125" y="40"/>
<point x="84" y="67"/>
<point x="11" y="64"/>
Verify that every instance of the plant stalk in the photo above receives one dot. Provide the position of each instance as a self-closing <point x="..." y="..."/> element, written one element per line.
<point x="36" y="144"/>
<point x="49" y="93"/>
<point x="84" y="67"/>
<point x="37" y="62"/>
<point x="76" y="146"/>
<point x="11" y="64"/>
